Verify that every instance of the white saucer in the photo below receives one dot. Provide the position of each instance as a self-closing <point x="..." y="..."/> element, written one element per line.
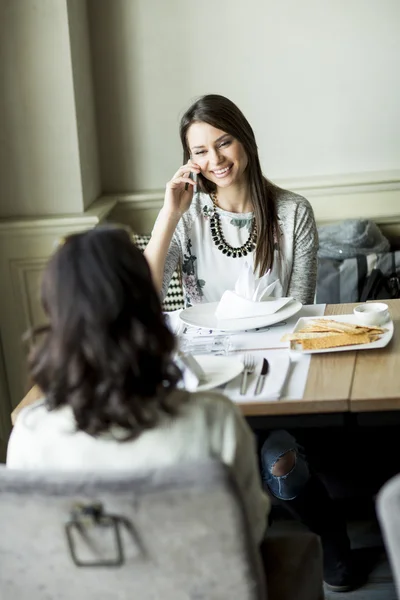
<point x="218" y="370"/>
<point x="203" y="315"/>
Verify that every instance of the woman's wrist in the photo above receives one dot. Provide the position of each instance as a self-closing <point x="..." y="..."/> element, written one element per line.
<point x="170" y="215"/>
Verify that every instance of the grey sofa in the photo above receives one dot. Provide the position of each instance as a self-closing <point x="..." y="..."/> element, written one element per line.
<point x="176" y="534"/>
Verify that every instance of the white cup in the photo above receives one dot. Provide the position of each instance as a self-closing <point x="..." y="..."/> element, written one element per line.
<point x="374" y="313"/>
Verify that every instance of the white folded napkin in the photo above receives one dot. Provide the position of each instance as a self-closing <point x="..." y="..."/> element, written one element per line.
<point x="254" y="288"/>
<point x="274" y="382"/>
<point x="252" y="297"/>
<point x="173" y="321"/>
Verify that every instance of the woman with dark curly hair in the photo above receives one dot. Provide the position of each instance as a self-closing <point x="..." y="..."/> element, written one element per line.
<point x="105" y="366"/>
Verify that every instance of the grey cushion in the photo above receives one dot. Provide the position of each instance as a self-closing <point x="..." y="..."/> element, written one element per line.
<point x="388" y="509"/>
<point x="353" y="237"/>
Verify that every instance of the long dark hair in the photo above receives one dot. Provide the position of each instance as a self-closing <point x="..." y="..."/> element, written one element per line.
<point x="223" y="114"/>
<point x="106" y="351"/>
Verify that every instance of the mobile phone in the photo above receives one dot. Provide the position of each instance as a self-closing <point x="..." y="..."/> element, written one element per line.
<point x="192" y="176"/>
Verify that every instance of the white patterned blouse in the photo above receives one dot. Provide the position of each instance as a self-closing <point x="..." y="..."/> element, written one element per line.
<point x="207" y="272"/>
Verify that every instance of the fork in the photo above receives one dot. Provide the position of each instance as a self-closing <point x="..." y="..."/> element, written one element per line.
<point x="249" y="365"/>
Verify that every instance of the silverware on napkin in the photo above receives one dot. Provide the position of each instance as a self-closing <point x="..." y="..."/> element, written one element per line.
<point x="262" y="376"/>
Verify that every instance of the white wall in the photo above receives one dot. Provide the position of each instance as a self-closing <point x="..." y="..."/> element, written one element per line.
<point x="319" y="80"/>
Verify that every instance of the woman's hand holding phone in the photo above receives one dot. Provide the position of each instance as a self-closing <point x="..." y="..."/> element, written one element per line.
<point x="179" y="190"/>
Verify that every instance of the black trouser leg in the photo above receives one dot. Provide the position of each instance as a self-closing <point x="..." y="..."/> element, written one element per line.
<point x="316" y="509"/>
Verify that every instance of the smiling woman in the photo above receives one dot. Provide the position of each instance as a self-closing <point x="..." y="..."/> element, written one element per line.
<point x="220" y="212"/>
<point x="236" y="216"/>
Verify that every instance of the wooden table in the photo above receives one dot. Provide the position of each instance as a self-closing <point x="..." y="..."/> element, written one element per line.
<point x="338" y="382"/>
<point x="376" y="378"/>
<point x="351" y="381"/>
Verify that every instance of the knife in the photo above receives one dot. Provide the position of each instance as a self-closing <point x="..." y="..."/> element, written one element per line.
<point x="262" y="376"/>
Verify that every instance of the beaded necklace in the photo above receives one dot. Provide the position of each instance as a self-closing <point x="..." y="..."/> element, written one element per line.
<point x="219" y="239"/>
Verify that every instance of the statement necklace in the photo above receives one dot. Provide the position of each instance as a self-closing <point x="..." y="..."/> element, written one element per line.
<point x="219" y="239"/>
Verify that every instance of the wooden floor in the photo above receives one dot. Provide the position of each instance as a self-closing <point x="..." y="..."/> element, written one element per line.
<point x="367" y="543"/>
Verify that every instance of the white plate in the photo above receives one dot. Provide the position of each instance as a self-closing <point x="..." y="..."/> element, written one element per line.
<point x="218" y="370"/>
<point x="381" y="343"/>
<point x="203" y="315"/>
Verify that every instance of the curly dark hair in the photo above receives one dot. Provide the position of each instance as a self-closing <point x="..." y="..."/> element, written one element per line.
<point x="106" y="352"/>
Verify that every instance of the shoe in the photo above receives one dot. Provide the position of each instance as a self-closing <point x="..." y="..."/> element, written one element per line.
<point x="337" y="578"/>
<point x="339" y="574"/>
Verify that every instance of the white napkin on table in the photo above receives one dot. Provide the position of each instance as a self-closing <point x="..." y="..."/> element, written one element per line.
<point x="192" y="373"/>
<point x="173" y="321"/>
<point x="252" y="296"/>
<point x="274" y="382"/>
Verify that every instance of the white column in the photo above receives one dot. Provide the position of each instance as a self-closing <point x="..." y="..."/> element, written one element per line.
<point x="48" y="150"/>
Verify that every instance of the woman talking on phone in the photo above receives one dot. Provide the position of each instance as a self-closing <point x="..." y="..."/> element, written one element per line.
<point x="234" y="216"/>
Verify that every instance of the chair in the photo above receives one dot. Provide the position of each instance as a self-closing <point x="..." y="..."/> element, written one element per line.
<point x="174" y="298"/>
<point x="172" y="534"/>
<point x="388" y="509"/>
